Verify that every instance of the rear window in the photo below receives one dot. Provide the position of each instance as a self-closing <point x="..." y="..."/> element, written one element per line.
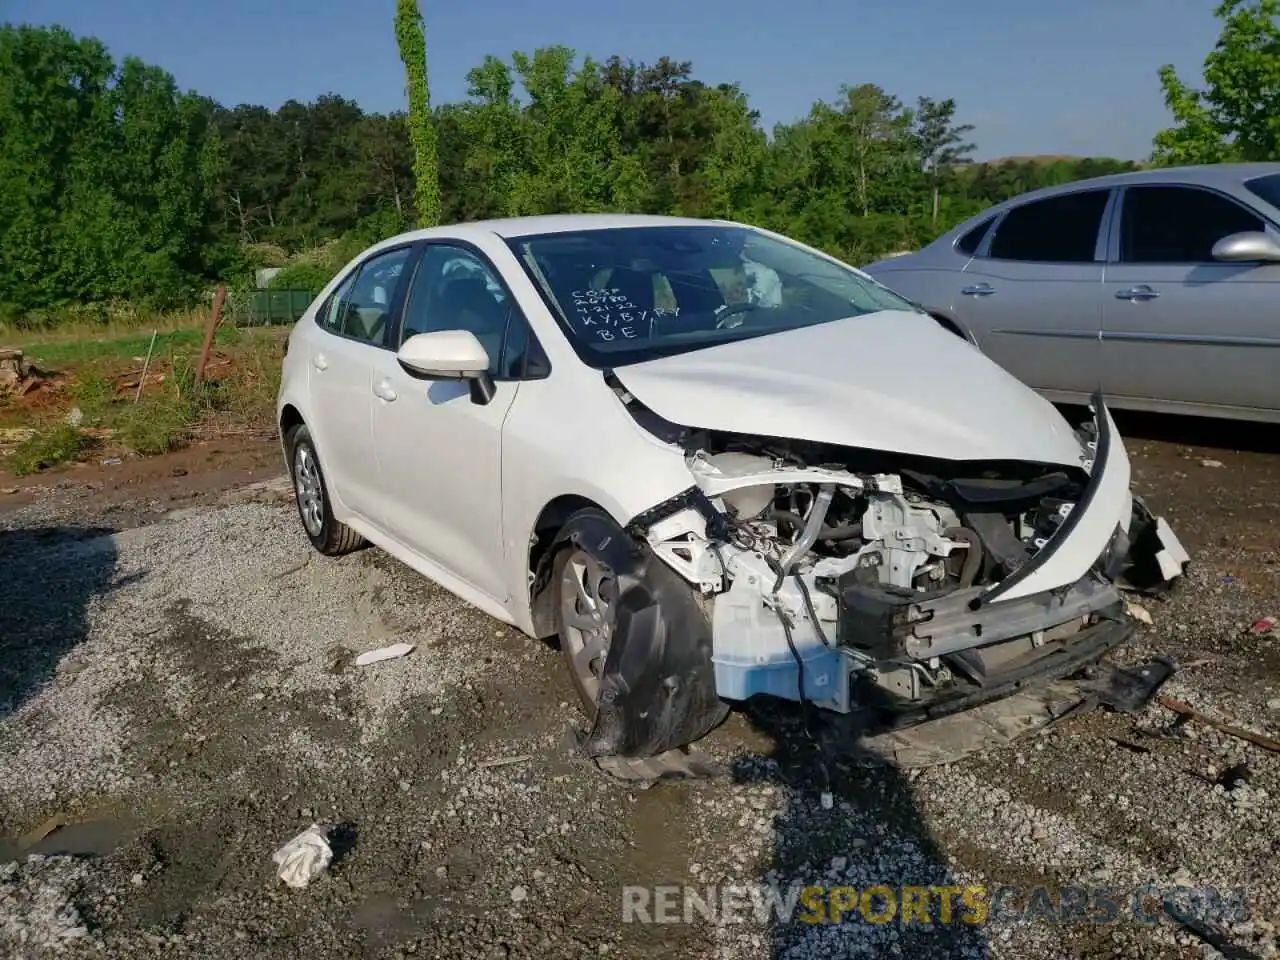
<point x="970" y="242"/>
<point x="1268" y="188"/>
<point x="1056" y="229"/>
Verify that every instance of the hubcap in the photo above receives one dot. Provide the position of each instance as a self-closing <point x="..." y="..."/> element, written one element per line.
<point x="306" y="482"/>
<point x="585" y="599"/>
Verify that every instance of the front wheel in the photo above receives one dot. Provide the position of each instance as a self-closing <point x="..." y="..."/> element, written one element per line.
<point x="585" y="601"/>
<point x="328" y="535"/>
<point x="636" y="638"/>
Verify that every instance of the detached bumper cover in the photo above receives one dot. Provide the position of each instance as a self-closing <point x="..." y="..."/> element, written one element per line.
<point x="1106" y="510"/>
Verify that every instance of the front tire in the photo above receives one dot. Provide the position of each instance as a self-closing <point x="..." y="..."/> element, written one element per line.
<point x="329" y="536"/>
<point x="636" y="638"/>
<point x="585" y="595"/>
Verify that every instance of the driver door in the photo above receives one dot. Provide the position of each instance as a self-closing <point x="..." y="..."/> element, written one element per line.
<point x="439" y="452"/>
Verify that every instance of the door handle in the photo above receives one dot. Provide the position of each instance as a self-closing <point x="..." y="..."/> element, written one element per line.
<point x="978" y="290"/>
<point x="384" y="391"/>
<point x="1141" y="292"/>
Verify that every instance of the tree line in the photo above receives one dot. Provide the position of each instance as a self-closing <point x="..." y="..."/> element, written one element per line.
<point x="117" y="186"/>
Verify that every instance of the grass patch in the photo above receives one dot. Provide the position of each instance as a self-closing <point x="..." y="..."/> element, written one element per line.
<point x="236" y="398"/>
<point x="154" y="427"/>
<point x="48" y="447"/>
<point x="60" y="353"/>
<point x="92" y="392"/>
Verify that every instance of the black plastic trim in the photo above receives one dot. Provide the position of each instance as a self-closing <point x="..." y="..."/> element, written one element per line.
<point x="1063" y="533"/>
<point x="1087" y="647"/>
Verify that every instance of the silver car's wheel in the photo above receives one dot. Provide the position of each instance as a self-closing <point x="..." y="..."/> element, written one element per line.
<point x="586" y="617"/>
<point x="306" y="483"/>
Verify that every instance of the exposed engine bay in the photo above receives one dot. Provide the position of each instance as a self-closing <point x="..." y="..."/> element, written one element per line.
<point x="850" y="578"/>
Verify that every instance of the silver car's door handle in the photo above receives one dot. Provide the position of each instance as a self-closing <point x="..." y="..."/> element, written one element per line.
<point x="978" y="290"/>
<point x="319" y="361"/>
<point x="383" y="390"/>
<point x="1138" y="293"/>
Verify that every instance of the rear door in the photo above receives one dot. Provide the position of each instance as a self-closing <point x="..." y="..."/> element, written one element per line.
<point x="1179" y="327"/>
<point x="1031" y="295"/>
<point x="353" y="328"/>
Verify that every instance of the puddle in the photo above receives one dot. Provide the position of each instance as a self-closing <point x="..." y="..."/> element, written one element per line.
<point x="85" y="838"/>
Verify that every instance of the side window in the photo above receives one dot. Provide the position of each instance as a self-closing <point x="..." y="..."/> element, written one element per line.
<point x="972" y="239"/>
<point x="522" y="356"/>
<point x="366" y="311"/>
<point x="454" y="289"/>
<point x="360" y="306"/>
<point x="1061" y="229"/>
<point x="1169" y="224"/>
<point x="330" y="315"/>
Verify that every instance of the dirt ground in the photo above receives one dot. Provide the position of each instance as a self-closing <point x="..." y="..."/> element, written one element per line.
<point x="178" y="695"/>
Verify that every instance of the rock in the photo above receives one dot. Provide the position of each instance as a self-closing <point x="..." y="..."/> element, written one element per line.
<point x="519" y="894"/>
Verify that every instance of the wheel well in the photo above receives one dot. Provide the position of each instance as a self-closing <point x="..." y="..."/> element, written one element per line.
<point x="289" y="418"/>
<point x="545" y="528"/>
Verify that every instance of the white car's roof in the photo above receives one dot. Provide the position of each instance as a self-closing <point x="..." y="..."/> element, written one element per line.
<point x="560" y="223"/>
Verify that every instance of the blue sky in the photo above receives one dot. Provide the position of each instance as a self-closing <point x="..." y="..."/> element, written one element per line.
<point x="1033" y="76"/>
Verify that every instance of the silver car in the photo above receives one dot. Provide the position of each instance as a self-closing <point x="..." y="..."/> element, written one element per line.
<point x="1159" y="287"/>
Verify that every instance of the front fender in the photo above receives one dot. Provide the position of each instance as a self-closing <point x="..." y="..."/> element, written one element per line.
<point x="657" y="689"/>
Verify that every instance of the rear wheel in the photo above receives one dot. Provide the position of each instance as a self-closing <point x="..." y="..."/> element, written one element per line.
<point x="328" y="535"/>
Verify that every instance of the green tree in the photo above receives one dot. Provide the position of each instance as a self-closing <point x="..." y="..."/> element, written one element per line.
<point x="411" y="38"/>
<point x="107" y="176"/>
<point x="116" y="184"/>
<point x="877" y="136"/>
<point x="940" y="141"/>
<point x="1237" y="115"/>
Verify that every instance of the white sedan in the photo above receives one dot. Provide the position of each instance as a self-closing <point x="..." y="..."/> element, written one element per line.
<point x="716" y="463"/>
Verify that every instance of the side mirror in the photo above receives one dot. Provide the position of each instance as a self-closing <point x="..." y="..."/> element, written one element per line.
<point x="449" y="355"/>
<point x="1246" y="247"/>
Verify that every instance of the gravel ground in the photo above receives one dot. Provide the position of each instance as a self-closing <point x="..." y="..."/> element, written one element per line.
<point x="178" y="687"/>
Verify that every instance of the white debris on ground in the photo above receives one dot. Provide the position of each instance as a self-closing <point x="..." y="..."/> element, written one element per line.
<point x="38" y="916"/>
<point x="393" y="652"/>
<point x="304" y="857"/>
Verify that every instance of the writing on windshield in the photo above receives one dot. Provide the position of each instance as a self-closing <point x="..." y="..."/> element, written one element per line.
<point x="628" y="294"/>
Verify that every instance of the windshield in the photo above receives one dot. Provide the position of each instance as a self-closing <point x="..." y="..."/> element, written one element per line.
<point x="1268" y="188"/>
<point x="628" y="294"/>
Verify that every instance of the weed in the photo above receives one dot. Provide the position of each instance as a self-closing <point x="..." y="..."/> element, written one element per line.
<point x="154" y="426"/>
<point x="91" y="392"/>
<point x="60" y="443"/>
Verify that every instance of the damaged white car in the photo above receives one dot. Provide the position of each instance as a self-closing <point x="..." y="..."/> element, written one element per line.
<point x="717" y="463"/>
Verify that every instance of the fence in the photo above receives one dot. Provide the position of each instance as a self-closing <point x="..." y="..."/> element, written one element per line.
<point x="272" y="306"/>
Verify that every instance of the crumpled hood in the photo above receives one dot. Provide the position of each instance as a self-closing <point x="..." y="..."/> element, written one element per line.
<point x="892" y="381"/>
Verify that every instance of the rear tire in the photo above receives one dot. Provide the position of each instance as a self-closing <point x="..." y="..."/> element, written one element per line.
<point x="329" y="536"/>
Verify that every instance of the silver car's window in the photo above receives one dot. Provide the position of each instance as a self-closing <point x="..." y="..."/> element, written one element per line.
<point x="1172" y="224"/>
<point x="1268" y="188"/>
<point x="1060" y="229"/>
<point x="972" y="239"/>
<point x="629" y="294"/>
